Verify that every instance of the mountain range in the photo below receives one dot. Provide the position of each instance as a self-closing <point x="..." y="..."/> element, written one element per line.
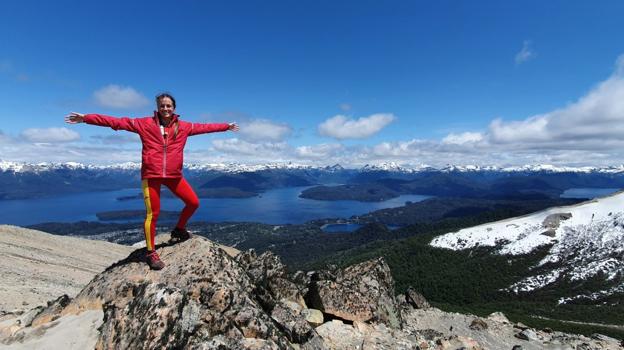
<point x="371" y="182"/>
<point x="238" y="167"/>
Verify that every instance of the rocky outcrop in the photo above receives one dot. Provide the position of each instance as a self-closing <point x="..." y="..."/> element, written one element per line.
<point x="551" y="223"/>
<point x="202" y="295"/>
<point x="363" y="292"/>
<point x="415" y="299"/>
<point x="553" y="220"/>
<point x="207" y="299"/>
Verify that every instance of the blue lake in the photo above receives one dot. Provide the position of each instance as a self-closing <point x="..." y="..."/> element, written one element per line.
<point x="588" y="192"/>
<point x="280" y="206"/>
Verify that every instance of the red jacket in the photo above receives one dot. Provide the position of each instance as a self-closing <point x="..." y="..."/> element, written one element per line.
<point x="162" y="154"/>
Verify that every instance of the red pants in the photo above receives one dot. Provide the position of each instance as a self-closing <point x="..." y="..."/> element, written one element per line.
<point x="151" y="195"/>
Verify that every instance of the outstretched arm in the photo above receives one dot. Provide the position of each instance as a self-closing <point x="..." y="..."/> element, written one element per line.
<point x="200" y="128"/>
<point x="102" y="120"/>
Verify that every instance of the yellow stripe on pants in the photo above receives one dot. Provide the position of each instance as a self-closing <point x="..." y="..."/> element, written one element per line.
<point x="147" y="227"/>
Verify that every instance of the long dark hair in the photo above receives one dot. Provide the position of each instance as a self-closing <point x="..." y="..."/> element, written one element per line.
<point x="163" y="95"/>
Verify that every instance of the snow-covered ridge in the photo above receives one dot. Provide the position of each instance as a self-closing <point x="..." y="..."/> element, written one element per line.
<point x="587" y="241"/>
<point x="534" y="168"/>
<point x="237" y="167"/>
<point x="42" y="167"/>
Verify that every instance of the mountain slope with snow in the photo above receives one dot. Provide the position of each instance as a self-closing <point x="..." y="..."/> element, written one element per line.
<point x="586" y="243"/>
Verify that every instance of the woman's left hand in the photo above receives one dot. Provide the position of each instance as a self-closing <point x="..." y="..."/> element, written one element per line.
<point x="233" y="127"/>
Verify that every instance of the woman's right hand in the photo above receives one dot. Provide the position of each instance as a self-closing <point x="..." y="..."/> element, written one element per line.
<point x="74" y="118"/>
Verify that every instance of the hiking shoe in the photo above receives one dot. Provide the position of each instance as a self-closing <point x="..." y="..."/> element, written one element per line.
<point x="180" y="234"/>
<point x="153" y="260"/>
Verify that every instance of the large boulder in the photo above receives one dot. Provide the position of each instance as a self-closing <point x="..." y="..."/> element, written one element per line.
<point x="362" y="292"/>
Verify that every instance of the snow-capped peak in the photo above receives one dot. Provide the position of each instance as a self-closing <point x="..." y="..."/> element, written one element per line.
<point x="395" y="167"/>
<point x="11" y="166"/>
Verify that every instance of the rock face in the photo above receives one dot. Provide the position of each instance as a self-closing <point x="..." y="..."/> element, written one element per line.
<point x="415" y="299"/>
<point x="363" y="292"/>
<point x="207" y="299"/>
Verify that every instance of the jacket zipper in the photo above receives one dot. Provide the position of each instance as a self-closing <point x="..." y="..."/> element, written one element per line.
<point x="164" y="156"/>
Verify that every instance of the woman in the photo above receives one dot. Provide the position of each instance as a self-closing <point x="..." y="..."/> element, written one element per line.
<point x="163" y="136"/>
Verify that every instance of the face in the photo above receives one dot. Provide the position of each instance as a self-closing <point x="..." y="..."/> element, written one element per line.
<point x="165" y="107"/>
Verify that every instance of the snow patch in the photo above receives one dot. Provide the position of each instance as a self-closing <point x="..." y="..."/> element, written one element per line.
<point x="536" y="282"/>
<point x="593" y="296"/>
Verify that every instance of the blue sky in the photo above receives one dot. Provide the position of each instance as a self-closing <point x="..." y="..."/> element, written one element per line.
<point x="321" y="82"/>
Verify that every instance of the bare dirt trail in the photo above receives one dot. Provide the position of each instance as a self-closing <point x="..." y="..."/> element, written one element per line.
<point x="612" y="326"/>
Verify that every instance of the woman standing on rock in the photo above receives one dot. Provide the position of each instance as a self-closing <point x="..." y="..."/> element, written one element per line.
<point x="163" y="136"/>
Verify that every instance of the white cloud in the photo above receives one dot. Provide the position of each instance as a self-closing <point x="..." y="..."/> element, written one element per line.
<point x="526" y="53"/>
<point x="594" y="121"/>
<point x="115" y="96"/>
<point x="264" y="130"/>
<point x="341" y="127"/>
<point x="529" y="130"/>
<point x="50" y="135"/>
<point x="586" y="132"/>
<point x="466" y="137"/>
<point x="237" y="146"/>
<point x="399" y="149"/>
<point x="320" y="152"/>
<point x="116" y="139"/>
<point x="54" y="152"/>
